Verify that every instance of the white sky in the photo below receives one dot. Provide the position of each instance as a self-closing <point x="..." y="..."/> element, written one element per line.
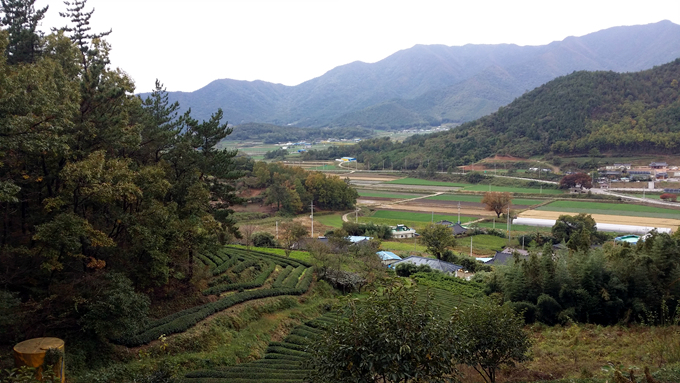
<point x="187" y="44"/>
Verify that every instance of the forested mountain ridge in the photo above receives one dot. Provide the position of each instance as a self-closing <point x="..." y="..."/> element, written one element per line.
<point x="607" y="111"/>
<point x="430" y="84"/>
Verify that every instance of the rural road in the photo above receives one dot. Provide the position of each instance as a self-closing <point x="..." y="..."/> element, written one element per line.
<point x="632" y="198"/>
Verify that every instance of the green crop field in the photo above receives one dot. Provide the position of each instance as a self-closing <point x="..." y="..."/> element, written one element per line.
<point x="511" y="189"/>
<point x="485" y="241"/>
<point x="418" y="181"/>
<point x="417" y="217"/>
<point x="376" y="194"/>
<point x="333" y="220"/>
<point x="476" y="198"/>
<point x="611" y="209"/>
<point x="501" y="225"/>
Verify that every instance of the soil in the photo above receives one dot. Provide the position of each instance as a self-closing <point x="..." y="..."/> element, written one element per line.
<point x="603" y="218"/>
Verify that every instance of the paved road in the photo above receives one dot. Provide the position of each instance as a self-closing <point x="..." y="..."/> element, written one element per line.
<point x="633" y="198"/>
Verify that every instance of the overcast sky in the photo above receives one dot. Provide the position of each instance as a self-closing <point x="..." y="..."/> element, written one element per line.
<point x="187" y="44"/>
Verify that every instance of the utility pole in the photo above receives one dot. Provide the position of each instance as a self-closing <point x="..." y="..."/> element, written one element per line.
<point x="312" y="217"/>
<point x="459" y="212"/>
<point x="277" y="230"/>
<point x="508" y="225"/>
<point x="433" y="217"/>
<point x="356" y="215"/>
<point x="383" y="165"/>
<point x="470" y="246"/>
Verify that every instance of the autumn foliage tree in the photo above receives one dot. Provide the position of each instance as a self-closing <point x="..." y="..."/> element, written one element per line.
<point x="498" y="202"/>
<point x="576" y="179"/>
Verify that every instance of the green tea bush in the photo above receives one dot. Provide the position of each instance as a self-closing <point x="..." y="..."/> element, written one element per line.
<point x="206" y="261"/>
<point x="257" y="282"/>
<point x="226" y="265"/>
<point x="293" y="278"/>
<point x="244" y="265"/>
<point x="282" y="276"/>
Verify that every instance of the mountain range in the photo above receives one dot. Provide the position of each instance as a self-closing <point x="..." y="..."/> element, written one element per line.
<point x="582" y="113"/>
<point x="432" y="84"/>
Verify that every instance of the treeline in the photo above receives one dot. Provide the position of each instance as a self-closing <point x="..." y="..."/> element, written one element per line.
<point x="606" y="111"/>
<point x="272" y="134"/>
<point x="292" y="190"/>
<point x="608" y="285"/>
<point x="103" y="195"/>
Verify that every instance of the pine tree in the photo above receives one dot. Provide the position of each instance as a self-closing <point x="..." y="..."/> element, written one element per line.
<point x="21" y="20"/>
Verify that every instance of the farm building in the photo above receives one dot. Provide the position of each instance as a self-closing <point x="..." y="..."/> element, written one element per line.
<point x="388" y="257"/>
<point x="458" y="229"/>
<point x="503" y="257"/>
<point x="435" y="264"/>
<point x="357" y="239"/>
<point x="402" y="231"/>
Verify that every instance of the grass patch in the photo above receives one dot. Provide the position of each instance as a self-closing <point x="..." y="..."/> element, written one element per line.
<point x="486" y="241"/>
<point x="610" y="209"/>
<point x="418" y="181"/>
<point x="332" y="220"/>
<point x="501" y="225"/>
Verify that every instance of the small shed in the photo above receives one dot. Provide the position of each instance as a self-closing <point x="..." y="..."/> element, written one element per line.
<point x="388" y="257"/>
<point x="356" y="239"/>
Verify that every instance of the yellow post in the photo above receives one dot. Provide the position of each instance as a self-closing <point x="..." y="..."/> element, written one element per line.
<point x="31" y="353"/>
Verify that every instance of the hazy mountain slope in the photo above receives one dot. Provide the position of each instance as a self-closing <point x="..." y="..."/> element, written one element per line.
<point x="428" y="84"/>
<point x="622" y="49"/>
<point x="628" y="113"/>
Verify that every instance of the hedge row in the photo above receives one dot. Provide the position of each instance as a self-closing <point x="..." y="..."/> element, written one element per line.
<point x="286" y="351"/>
<point x="217" y="260"/>
<point x="282" y="361"/>
<point x="285" y="260"/>
<point x="282" y="276"/>
<point x="244" y="265"/>
<point x="206" y="261"/>
<point x="257" y="282"/>
<point x="294" y="277"/>
<point x="292" y="346"/>
<point x="183" y="320"/>
<point x="306" y="280"/>
<point x="226" y="265"/>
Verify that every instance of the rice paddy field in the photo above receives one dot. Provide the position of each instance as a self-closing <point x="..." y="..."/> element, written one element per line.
<point x="622" y="209"/>
<point x="477" y="187"/>
<point x="393" y="195"/>
<point x="478" y="199"/>
<point x="418" y="181"/>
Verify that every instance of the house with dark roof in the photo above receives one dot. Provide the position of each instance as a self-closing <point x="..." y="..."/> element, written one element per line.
<point x="658" y="165"/>
<point x="435" y="264"/>
<point x="445" y="222"/>
<point x="458" y="229"/>
<point x="503" y="257"/>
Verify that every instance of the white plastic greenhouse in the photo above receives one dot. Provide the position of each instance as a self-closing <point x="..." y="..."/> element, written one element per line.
<point x="600" y="226"/>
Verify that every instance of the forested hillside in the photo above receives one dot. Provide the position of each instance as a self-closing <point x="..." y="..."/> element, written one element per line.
<point x="108" y="202"/>
<point x="631" y="113"/>
<point x="433" y="84"/>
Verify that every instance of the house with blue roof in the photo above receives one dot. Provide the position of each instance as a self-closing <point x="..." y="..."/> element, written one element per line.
<point x="388" y="257"/>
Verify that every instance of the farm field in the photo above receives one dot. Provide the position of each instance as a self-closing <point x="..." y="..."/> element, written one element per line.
<point x="332" y="220"/>
<point x="511" y="189"/>
<point x="418" y="181"/>
<point x="515" y="229"/>
<point x="478" y="199"/>
<point x="611" y="209"/>
<point x="671" y="223"/>
<point x="417" y="217"/>
<point x="393" y="195"/>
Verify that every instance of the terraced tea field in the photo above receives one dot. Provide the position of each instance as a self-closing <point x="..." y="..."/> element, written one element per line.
<point x="238" y="276"/>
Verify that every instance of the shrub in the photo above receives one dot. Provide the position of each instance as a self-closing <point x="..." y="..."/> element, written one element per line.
<point x="257" y="282"/>
<point x="526" y="309"/>
<point x="282" y="276"/>
<point x="264" y="239"/>
<point x="669" y="197"/>
<point x="405" y="269"/>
